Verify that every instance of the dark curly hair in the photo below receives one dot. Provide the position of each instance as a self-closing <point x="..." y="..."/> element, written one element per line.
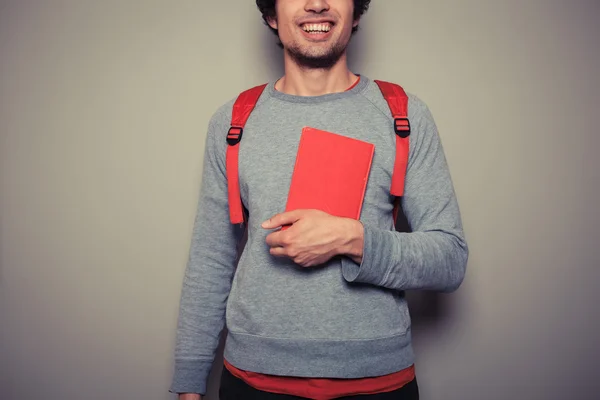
<point x="267" y="9"/>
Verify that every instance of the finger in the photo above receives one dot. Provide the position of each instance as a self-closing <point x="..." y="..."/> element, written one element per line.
<point x="278" y="251"/>
<point x="275" y="239"/>
<point x="285" y="218"/>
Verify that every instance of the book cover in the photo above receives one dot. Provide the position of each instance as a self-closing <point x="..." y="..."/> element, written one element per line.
<point x="330" y="173"/>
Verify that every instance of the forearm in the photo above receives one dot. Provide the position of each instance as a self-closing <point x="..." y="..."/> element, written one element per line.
<point x="206" y="287"/>
<point x="434" y="260"/>
<point x="201" y="320"/>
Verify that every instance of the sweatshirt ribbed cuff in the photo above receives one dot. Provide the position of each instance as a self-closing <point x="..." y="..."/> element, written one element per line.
<point x="190" y="376"/>
<point x="373" y="268"/>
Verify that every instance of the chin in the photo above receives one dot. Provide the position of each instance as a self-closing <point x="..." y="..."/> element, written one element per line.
<point x="322" y="60"/>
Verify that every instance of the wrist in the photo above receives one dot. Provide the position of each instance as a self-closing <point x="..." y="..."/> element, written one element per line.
<point x="352" y="238"/>
<point x="189" y="396"/>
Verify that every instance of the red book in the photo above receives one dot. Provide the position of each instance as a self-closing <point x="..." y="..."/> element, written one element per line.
<point x="330" y="174"/>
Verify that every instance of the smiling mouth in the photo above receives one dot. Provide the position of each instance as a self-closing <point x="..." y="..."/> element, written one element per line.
<point x="323" y="27"/>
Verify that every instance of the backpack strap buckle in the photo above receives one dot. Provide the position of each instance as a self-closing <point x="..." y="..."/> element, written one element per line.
<point x="402" y="126"/>
<point x="234" y="135"/>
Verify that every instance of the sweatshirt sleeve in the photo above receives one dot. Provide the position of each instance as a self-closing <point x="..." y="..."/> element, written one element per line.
<point x="209" y="271"/>
<point x="434" y="255"/>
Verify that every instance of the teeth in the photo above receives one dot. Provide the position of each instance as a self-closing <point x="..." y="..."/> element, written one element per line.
<point x="316" y="28"/>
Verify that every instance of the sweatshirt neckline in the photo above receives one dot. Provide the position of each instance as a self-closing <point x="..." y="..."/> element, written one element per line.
<point x="358" y="87"/>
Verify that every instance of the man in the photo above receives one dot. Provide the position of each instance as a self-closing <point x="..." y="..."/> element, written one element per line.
<point x="316" y="310"/>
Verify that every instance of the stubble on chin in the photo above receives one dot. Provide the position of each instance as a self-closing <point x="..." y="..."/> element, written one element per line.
<point x="316" y="60"/>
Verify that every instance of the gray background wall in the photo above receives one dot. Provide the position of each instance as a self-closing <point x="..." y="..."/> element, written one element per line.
<point x="103" y="111"/>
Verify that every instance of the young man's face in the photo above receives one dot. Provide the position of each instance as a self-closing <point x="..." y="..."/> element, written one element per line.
<point x="315" y="33"/>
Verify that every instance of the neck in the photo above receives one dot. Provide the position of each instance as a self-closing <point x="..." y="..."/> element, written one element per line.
<point x="301" y="81"/>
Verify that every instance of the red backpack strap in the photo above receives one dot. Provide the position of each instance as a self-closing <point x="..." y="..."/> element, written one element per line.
<point x="398" y="103"/>
<point x="242" y="108"/>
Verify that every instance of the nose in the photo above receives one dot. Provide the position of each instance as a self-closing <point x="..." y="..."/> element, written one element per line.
<point x="316" y="6"/>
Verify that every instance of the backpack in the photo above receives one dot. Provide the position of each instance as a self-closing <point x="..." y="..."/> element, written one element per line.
<point x="397" y="101"/>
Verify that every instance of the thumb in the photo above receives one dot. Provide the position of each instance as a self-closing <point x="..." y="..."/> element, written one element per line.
<point x="281" y="219"/>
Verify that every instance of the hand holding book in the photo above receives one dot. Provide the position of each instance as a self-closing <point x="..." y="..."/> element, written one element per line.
<point x="314" y="237"/>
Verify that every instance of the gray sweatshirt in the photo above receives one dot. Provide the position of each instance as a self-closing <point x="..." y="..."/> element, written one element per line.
<point x="339" y="320"/>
